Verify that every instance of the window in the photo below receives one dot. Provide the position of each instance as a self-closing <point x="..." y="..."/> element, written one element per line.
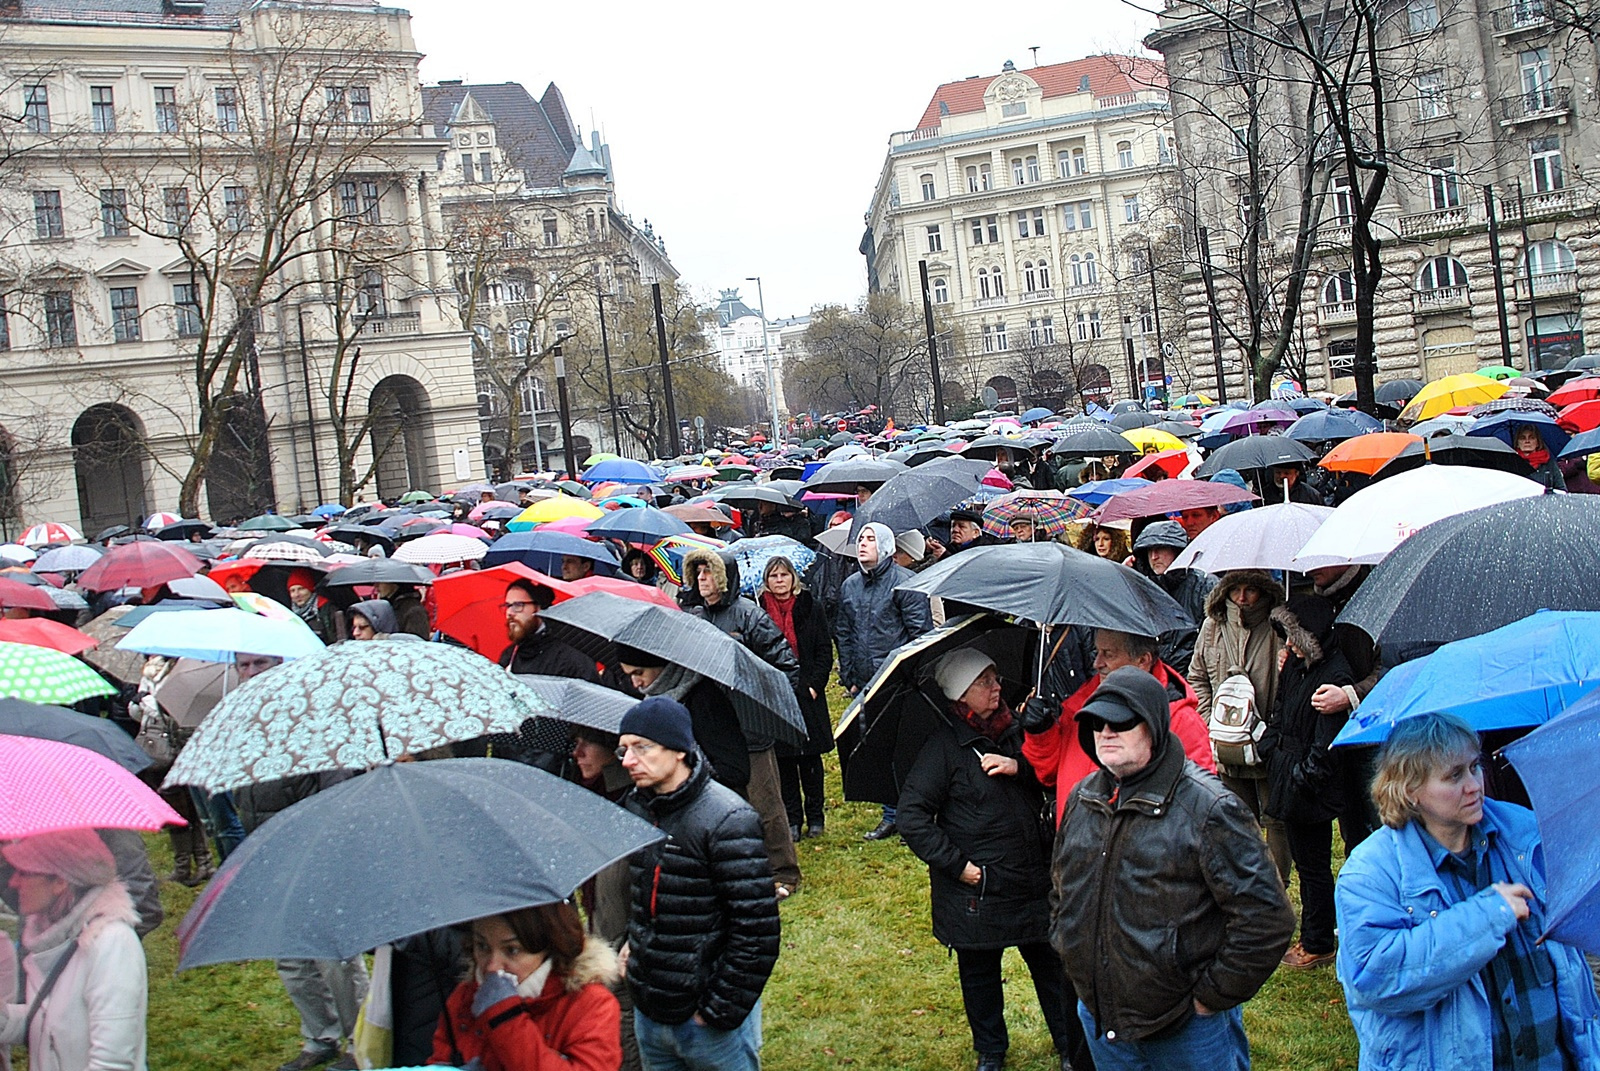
<point x="1030" y="223"/>
<point x="1544" y="156"/>
<point x="1340" y="289"/>
<point x="1422" y="15"/>
<point x="1033" y="168"/>
<point x="978" y="178"/>
<point x="985" y="229"/>
<point x="1147" y="320"/>
<point x="1536" y="88"/>
<point x="1013" y="108"/>
<point x="985" y="288"/>
<point x="1167" y="151"/>
<point x="5" y="325"/>
<point x="60" y="325"/>
<point x="1088" y="326"/>
<point x="187" y="309"/>
<point x="1344" y="201"/>
<point x="1238" y="141"/>
<point x="1130" y="208"/>
<point x="1078" y="216"/>
<point x="114" y="213"/>
<point x="1070" y="161"/>
<point x="1442" y="273"/>
<point x="369" y="299"/>
<point x="36" y="109"/>
<point x="593" y="228"/>
<point x="359" y="199"/>
<point x="935" y="239"/>
<point x="1444" y="185"/>
<point x="551" y="235"/>
<point x="360" y="98"/>
<point x="485" y="167"/>
<point x="334" y="110"/>
<point x="1138" y="261"/>
<point x="1024" y="169"/>
<point x="533" y="396"/>
<point x="1550" y="258"/>
<point x="175" y="209"/>
<point x="47" y="219"/>
<point x="1084" y="269"/>
<point x="941" y="292"/>
<point x="1124" y="154"/>
<point x="927" y="187"/>
<point x="467" y="172"/>
<point x="227" y="98"/>
<point x="1041" y="332"/>
<point x="517" y="289"/>
<point x="166" y="109"/>
<point x="518" y="337"/>
<point x="1030" y="277"/>
<point x="102" y="110"/>
<point x="1000" y="342"/>
<point x="994" y="338"/>
<point x="1432" y="102"/>
<point x="235" y="209"/>
<point x="125" y="313"/>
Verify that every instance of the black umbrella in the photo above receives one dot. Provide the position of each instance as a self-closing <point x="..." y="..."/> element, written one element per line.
<point x="100" y="735"/>
<point x="745" y="493"/>
<point x="377" y="571"/>
<point x="1508" y="404"/>
<point x="113" y="532"/>
<point x="1053" y="584"/>
<point x="887" y="723"/>
<point x="1474" y="572"/>
<point x="1482" y="451"/>
<point x="1181" y="429"/>
<point x="1397" y="392"/>
<point x="761" y="695"/>
<point x="842" y="477"/>
<point x="988" y="447"/>
<point x="180" y="530"/>
<point x="1255" y="452"/>
<point x="915" y="497"/>
<point x="1131" y="420"/>
<point x="403" y="849"/>
<point x="1093" y="440"/>
<point x="579" y="702"/>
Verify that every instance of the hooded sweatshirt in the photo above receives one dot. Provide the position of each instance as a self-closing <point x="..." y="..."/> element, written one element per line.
<point x="379" y="613"/>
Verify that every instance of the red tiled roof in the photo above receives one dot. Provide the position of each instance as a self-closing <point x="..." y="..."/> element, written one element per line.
<point x="1109" y="76"/>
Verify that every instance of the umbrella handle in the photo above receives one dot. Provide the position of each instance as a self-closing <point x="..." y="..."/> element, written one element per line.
<point x="1038" y="678"/>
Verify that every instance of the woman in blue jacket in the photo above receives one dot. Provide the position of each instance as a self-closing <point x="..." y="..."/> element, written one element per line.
<point x="1440" y="914"/>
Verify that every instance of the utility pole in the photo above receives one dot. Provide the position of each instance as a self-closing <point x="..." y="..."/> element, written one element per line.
<point x="1499" y="281"/>
<point x="566" y="414"/>
<point x="766" y="350"/>
<point x="611" y="393"/>
<point x="933" y="344"/>
<point x="672" y="444"/>
<point x="1211" y="315"/>
<point x="1531" y="335"/>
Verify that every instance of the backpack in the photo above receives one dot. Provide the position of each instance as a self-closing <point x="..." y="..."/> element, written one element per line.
<point x="1236" y="725"/>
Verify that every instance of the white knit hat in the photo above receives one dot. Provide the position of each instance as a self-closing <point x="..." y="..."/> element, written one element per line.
<point x="912" y="544"/>
<point x="957" y="670"/>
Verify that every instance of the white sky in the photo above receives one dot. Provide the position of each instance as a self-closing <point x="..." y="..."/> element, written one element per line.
<point x="751" y="135"/>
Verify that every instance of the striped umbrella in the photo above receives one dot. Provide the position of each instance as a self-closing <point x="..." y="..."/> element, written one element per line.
<point x="669" y="553"/>
<point x="441" y="548"/>
<point x="41" y="535"/>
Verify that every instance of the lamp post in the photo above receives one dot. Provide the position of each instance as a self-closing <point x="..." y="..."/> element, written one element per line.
<point x="766" y="349"/>
<point x="611" y="394"/>
<point x="566" y="413"/>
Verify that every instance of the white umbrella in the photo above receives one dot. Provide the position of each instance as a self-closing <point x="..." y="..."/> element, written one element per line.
<point x="1264" y="538"/>
<point x="284" y="551"/>
<point x="441" y="549"/>
<point x="1377" y="519"/>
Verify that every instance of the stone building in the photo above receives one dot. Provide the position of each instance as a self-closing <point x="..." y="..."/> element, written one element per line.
<point x="1040" y="200"/>
<point x="752" y="352"/>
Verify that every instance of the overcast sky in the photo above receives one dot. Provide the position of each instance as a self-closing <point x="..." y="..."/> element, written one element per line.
<point x="751" y="135"/>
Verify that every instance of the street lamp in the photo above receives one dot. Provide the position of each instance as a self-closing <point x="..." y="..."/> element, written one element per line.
<point x="766" y="349"/>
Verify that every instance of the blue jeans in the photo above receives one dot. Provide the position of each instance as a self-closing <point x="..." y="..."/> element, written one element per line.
<point x="692" y="1047"/>
<point x="221" y="819"/>
<point x="1214" y="1042"/>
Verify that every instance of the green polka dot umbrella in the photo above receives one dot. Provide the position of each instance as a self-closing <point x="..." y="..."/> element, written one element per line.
<point x="41" y="675"/>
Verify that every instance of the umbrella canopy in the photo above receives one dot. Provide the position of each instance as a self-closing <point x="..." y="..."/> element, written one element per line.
<point x="580" y="702"/>
<point x="16" y="554"/>
<point x="1092" y="440"/>
<point x="1509" y="403"/>
<point x="73" y="559"/>
<point x="413" y="497"/>
<point x="1099" y="492"/>
<point x="441" y="548"/>
<point x="160" y="519"/>
<point x="628" y="589"/>
<point x="544" y="550"/>
<point x="1255" y="452"/>
<point x="99" y="735"/>
<point x="406" y="848"/>
<point x="553" y="509"/>
<point x="1169" y="496"/>
<point x="621" y="470"/>
<point x="700" y="514"/>
<point x="284" y="550"/>
<point x="43" y="632"/>
<point x="1476" y="571"/>
<point x="191" y="689"/>
<point x="15" y="595"/>
<point x="640" y="525"/>
<point x="1482" y="452"/>
<point x="685" y="473"/>
<point x="1504" y="426"/>
<point x="1444" y="424"/>
<point x="761" y="695"/>
<point x="843" y="477"/>
<point x="470" y="605"/>
<point x="1150" y="441"/>
<point x="1134" y="418"/>
<point x="1582" y="389"/>
<point x="1498" y="371"/>
<point x="1367" y="454"/>
<point x="1517" y="675"/>
<point x="267" y="522"/>
<point x="1264" y="538"/>
<point x="1579" y="416"/>
<point x="183" y="529"/>
<point x="46" y="785"/>
<point x="372" y="701"/>
<point x="219" y="635"/>
<point x="1583" y="444"/>
<point x="106" y="630"/>
<point x="670" y="552"/>
<point x="754" y="554"/>
<point x="1327" y="425"/>
<point x="43" y="535"/>
<point x="1053" y="584"/>
<point x="145" y="564"/>
<point x="1171" y="463"/>
<point x="377" y="571"/>
<point x="1443" y="395"/>
<point x="41" y="675"/>
<point x="1252" y="420"/>
<point x="915" y="497"/>
<point x="328" y="509"/>
<point x="1375" y="520"/>
<point x="752" y="494"/>
<point x="1049" y="511"/>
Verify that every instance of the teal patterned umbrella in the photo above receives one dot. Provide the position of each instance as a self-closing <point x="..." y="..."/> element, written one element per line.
<point x="351" y="707"/>
<point x="42" y="675"/>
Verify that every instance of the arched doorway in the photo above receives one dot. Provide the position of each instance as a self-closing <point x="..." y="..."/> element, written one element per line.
<point x="108" y="459"/>
<point x="1094" y="384"/>
<point x="1006" y="388"/>
<point x="239" y="476"/>
<point x="402" y="434"/>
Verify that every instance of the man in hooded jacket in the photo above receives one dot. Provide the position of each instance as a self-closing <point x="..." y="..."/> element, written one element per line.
<point x="1153" y="553"/>
<point x="1167" y="912"/>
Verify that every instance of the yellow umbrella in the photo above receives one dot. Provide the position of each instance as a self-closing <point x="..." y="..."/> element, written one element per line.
<point x="554" y="509"/>
<point x="1443" y="395"/>
<point x="1151" y="441"/>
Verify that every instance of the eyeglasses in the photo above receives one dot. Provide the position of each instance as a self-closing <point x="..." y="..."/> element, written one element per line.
<point x="516" y="607"/>
<point x="640" y="750"/>
<point x="1098" y="724"/>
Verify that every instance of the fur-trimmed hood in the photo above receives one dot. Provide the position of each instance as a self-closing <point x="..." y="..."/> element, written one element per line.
<point x="724" y="572"/>
<point x="1307" y="622"/>
<point x="96" y="909"/>
<point x="597" y="964"/>
<point x="1233" y="580"/>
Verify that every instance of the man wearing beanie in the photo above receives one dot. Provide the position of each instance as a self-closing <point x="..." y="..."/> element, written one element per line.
<point x="1154" y="853"/>
<point x="302" y="584"/>
<point x="703" y="932"/>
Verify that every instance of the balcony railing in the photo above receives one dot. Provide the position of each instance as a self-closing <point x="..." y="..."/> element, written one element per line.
<point x="1046" y="294"/>
<point x="1549" y="284"/>
<point x="989" y="302"/>
<point x="1082" y="290"/>
<point x="395" y="323"/>
<point x="1520" y="16"/>
<point x="1541" y="103"/>
<point x="1441" y="299"/>
<point x="1337" y="312"/>
<point x="1549" y="203"/>
<point x="1334" y="234"/>
<point x="1438" y="221"/>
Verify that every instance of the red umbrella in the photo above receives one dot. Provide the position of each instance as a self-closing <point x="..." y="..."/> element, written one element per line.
<point x="15" y="595"/>
<point x="1171" y="462"/>
<point x="628" y="589"/>
<point x="1580" y="416"/>
<point x="144" y="564"/>
<point x="1170" y="496"/>
<point x="43" y="632"/>
<point x="1579" y="390"/>
<point x="470" y="606"/>
<point x="46" y="785"/>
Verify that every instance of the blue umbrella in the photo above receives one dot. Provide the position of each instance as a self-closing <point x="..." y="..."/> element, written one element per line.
<point x="1324" y="425"/>
<point x="219" y="635"/>
<point x="1520" y="674"/>
<point x="621" y="470"/>
<point x="328" y="509"/>
<point x="1556" y="764"/>
<point x="754" y="554"/>
<point x="1097" y="491"/>
<point x="637" y="526"/>
<point x="1581" y="445"/>
<point x="1503" y="426"/>
<point x="544" y="550"/>
<point x="1038" y="412"/>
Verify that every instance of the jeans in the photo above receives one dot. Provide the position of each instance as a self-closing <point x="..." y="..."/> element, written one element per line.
<point x="692" y="1047"/>
<point x="328" y="994"/>
<point x="802" y="774"/>
<point x="1212" y="1042"/>
<point x="1311" y="844"/>
<point x="220" y="817"/>
<point x="983" y="995"/>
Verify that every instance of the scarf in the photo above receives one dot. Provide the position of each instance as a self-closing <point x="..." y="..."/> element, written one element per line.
<point x="1537" y="458"/>
<point x="1251" y="618"/>
<point x="782" y="613"/>
<point x="991" y="727"/>
<point x="306" y="613"/>
<point x="675" y="682"/>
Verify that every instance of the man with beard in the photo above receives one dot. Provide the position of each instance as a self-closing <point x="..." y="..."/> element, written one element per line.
<point x="533" y="649"/>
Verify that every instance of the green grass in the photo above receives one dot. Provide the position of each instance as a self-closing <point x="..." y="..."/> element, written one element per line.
<point x="860" y="982"/>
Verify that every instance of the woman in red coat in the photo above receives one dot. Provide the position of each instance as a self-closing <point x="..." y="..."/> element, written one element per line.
<point x="537" y="999"/>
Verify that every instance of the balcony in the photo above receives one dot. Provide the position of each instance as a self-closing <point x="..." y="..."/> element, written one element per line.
<point x="1442" y="299"/>
<point x="990" y="302"/>
<point x="1520" y="16"/>
<point x="1337" y="312"/>
<point x="1548" y="205"/>
<point x="395" y="323"/>
<point x="1549" y="284"/>
<point x="1439" y="221"/>
<point x="1546" y="102"/>
<point x="1334" y="234"/>
<point x="1082" y="290"/>
<point x="1047" y="294"/>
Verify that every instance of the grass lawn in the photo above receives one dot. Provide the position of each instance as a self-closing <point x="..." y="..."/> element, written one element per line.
<point x="861" y="981"/>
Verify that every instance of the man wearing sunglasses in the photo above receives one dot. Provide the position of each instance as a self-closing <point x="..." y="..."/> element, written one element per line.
<point x="1168" y="913"/>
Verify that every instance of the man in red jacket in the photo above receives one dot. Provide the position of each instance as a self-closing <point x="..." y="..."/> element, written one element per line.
<point x="1051" y="744"/>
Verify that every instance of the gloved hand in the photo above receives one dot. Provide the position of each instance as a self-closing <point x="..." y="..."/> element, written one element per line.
<point x="495" y="987"/>
<point x="1039" y="715"/>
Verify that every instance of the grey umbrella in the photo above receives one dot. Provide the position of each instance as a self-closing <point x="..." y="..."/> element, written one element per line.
<point x="842" y="477"/>
<point x="1255" y="452"/>
<point x="915" y="497"/>
<point x="580" y="702"/>
<point x="1092" y="440"/>
<point x="377" y="571"/>
<point x="100" y="735"/>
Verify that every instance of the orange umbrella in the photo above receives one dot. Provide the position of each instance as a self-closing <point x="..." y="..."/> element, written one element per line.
<point x="1367" y="453"/>
<point x="43" y="632"/>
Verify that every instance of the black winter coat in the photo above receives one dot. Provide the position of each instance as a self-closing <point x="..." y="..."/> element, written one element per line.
<point x="410" y="615"/>
<point x="816" y="666"/>
<point x="716" y="730"/>
<point x="704" y="934"/>
<point x="952" y="813"/>
<point x="543" y="654"/>
<point x="1305" y="781"/>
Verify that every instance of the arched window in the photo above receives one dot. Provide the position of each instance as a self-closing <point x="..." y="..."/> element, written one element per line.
<point x="1075" y="266"/>
<point x="1442" y="273"/>
<point x="1044" y="275"/>
<point x="533" y="396"/>
<point x="1030" y="279"/>
<point x="997" y="282"/>
<point x="1340" y="289"/>
<point x="1124" y="154"/>
<point x="518" y="336"/>
<point x="1091" y="269"/>
<point x="983" y="283"/>
<point x="941" y="292"/>
<point x="927" y="187"/>
<point x="1550" y="257"/>
<point x="484" y="339"/>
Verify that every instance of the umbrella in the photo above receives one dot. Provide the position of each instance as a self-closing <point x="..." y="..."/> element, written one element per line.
<point x="16" y="554"/>
<point x="1251" y="421"/>
<point x="1180" y="429"/>
<point x="1504" y="426"/>
<point x="1507" y="403"/>
<point x="47" y="785"/>
<point x="42" y="675"/>
<point x="670" y="552"/>
<point x="1444" y="424"/>
<point x="1367" y="454"/>
<point x="282" y="550"/>
<point x="1476" y="571"/>
<point x="441" y="548"/>
<point x="477" y="837"/>
<point x="160" y="519"/>
<point x="494" y="511"/>
<point x="73" y="559"/>
<point x="1481" y="452"/>
<point x="19" y="596"/>
<point x="1498" y="371"/>
<point x="1134" y="418"/>
<point x="1149" y="440"/>
<point x="580" y="702"/>
<point x="112" y="532"/>
<point x="754" y="554"/>
<point x="761" y="695"/>
<point x="1397" y="392"/>
<point x="43" y="632"/>
<point x="621" y="470"/>
<point x="1517" y="675"/>
<point x="267" y="522"/>
<point x="328" y="509"/>
<point x="372" y="702"/>
<point x="183" y="529"/>
<point x="1170" y="463"/>
<point x="753" y="494"/>
<point x="988" y="447"/>
<point x="1255" y="452"/>
<point x="470" y="605"/>
<point x="1092" y="440"/>
<point x="1583" y="444"/>
<point x="1326" y="425"/>
<point x="413" y="497"/>
<point x="1264" y="538"/>
<point x="1169" y="496"/>
<point x="191" y="689"/>
<point x="377" y="571"/>
<point x="1050" y="512"/>
<point x="138" y="565"/>
<point x="843" y="477"/>
<point x="43" y="535"/>
<point x="700" y="514"/>
<point x="639" y="525"/>
<point x="99" y="735"/>
<point x="1443" y="395"/>
<point x="1579" y="416"/>
<point x="1098" y="492"/>
<point x="553" y="509"/>
<point x="1576" y="390"/>
<point x="685" y="473"/>
<point x="628" y="589"/>
<point x="219" y="635"/>
<point x="544" y="551"/>
<point x="1367" y="527"/>
<point x="912" y="499"/>
<point x="106" y="630"/>
<point x="1053" y="584"/>
<point x="888" y="721"/>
